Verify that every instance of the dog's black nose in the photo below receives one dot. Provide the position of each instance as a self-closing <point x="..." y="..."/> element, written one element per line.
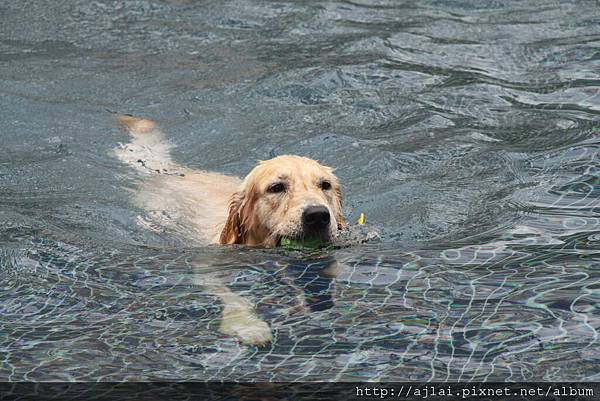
<point x="316" y="217"/>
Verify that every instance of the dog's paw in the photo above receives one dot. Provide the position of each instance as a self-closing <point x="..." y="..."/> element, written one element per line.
<point x="249" y="329"/>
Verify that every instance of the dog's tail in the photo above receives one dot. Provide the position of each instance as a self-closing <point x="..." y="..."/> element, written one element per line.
<point x="148" y="151"/>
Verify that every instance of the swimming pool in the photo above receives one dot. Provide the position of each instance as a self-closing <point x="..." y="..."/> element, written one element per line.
<point x="467" y="132"/>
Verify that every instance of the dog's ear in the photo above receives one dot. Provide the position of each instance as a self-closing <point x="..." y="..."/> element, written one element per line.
<point x="233" y="231"/>
<point x="242" y="221"/>
<point x="339" y="213"/>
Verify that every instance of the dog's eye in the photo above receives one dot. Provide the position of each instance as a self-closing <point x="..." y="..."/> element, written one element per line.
<point x="275" y="188"/>
<point x="325" y="185"/>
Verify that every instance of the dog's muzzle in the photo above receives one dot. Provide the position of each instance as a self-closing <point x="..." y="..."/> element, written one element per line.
<point x="315" y="219"/>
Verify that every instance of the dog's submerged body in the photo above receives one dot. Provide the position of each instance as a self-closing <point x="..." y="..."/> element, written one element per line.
<point x="191" y="203"/>
<point x="284" y="197"/>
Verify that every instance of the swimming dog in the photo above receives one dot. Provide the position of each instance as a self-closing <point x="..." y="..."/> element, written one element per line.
<point x="288" y="196"/>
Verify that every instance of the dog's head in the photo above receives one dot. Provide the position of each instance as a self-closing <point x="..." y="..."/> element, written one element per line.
<point x="289" y="196"/>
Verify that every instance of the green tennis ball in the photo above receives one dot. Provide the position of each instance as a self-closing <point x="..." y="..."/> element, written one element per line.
<point x="299" y="245"/>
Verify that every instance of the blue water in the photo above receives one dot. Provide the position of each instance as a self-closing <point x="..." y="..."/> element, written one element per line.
<point x="467" y="132"/>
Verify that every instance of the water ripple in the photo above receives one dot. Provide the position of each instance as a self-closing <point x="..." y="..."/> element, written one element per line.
<point x="466" y="131"/>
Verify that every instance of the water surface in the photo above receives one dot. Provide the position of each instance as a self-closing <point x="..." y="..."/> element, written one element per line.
<point x="467" y="132"/>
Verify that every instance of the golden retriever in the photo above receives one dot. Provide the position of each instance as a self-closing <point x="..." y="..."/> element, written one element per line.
<point x="285" y="197"/>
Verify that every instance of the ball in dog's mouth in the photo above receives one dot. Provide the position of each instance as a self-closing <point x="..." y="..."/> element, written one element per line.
<point x="302" y="244"/>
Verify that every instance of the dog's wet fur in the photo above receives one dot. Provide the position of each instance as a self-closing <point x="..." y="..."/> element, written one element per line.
<point x="285" y="197"/>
